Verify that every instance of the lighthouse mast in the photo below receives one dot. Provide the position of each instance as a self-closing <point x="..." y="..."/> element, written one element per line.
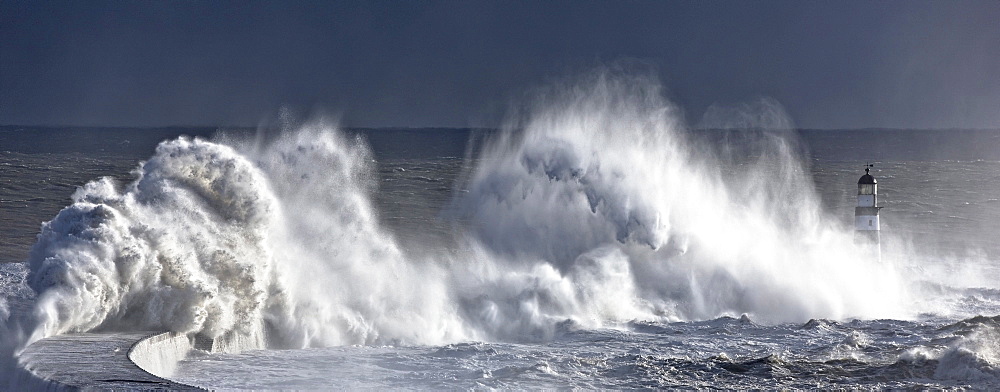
<point x="866" y="213"/>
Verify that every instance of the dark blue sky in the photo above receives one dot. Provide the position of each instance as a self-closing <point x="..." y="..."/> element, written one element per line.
<point x="832" y="64"/>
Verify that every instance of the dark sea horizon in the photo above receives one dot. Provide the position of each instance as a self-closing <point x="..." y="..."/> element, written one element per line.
<point x="92" y="152"/>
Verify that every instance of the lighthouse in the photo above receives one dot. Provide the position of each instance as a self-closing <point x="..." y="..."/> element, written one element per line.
<point x="866" y="213"/>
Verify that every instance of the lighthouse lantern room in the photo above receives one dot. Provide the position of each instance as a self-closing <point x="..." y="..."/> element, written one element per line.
<point x="866" y="213"/>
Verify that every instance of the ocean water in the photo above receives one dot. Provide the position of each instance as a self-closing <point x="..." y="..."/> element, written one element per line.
<point x="593" y="241"/>
<point x="953" y="343"/>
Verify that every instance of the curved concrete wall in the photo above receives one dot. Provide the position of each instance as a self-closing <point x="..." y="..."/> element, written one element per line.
<point x="89" y="361"/>
<point x="160" y="353"/>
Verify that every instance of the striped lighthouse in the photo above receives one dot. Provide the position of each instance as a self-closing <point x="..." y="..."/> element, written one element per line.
<point x="866" y="213"/>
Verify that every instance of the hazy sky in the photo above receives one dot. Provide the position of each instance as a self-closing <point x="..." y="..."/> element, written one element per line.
<point x="832" y="64"/>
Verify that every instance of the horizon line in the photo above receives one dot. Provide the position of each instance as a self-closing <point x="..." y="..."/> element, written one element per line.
<point x="392" y="127"/>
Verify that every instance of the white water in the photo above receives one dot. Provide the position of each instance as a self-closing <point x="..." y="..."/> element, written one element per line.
<point x="602" y="187"/>
<point x="281" y="243"/>
<point x="592" y="206"/>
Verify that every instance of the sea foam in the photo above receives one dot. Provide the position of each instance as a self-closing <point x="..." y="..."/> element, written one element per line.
<point x="593" y="206"/>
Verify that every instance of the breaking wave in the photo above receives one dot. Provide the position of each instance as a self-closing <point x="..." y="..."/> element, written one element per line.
<point x="603" y="185"/>
<point x="592" y="207"/>
<point x="274" y="245"/>
<point x="971" y="352"/>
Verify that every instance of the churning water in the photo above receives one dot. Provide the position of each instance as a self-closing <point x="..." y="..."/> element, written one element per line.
<point x="593" y="241"/>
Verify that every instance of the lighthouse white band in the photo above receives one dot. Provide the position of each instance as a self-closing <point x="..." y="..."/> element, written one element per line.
<point x="866" y="222"/>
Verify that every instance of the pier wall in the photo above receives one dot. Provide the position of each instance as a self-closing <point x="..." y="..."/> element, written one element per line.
<point x="103" y="361"/>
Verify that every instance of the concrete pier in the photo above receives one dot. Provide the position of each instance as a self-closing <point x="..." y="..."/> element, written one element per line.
<point x="99" y="361"/>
